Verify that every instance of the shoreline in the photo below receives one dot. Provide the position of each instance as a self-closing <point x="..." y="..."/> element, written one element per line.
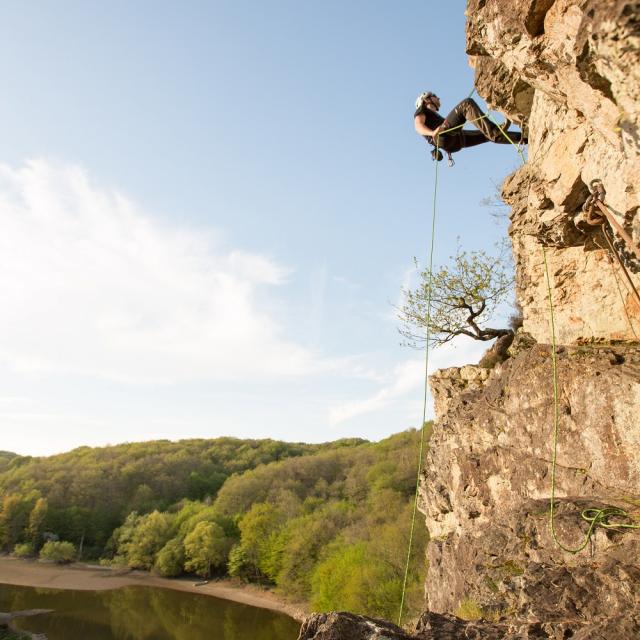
<point x="84" y="577"/>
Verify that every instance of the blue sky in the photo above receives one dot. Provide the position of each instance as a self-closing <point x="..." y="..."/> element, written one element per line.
<point x="209" y="209"/>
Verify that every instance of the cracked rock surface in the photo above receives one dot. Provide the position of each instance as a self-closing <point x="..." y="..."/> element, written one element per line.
<point x="569" y="71"/>
<point x="487" y="485"/>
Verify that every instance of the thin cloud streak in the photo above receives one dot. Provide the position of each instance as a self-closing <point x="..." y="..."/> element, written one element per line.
<point x="407" y="378"/>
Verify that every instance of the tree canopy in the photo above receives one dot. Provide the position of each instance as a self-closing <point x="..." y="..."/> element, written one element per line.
<point x="323" y="523"/>
<point x="460" y="298"/>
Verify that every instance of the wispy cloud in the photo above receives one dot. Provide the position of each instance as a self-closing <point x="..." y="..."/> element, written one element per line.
<point x="91" y="284"/>
<point x="406" y="377"/>
<point x="407" y="380"/>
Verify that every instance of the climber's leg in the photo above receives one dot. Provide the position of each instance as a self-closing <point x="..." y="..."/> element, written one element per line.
<point x="469" y="111"/>
<point x="514" y="136"/>
<point x="473" y="138"/>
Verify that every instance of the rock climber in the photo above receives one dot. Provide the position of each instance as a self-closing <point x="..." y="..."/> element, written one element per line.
<point x="433" y="127"/>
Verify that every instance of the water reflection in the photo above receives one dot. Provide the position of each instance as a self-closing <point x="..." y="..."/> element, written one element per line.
<point x="143" y="613"/>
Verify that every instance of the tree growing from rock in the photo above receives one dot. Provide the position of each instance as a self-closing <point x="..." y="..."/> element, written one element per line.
<point x="463" y="297"/>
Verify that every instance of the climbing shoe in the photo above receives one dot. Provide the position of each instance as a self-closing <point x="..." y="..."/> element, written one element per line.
<point x="436" y="154"/>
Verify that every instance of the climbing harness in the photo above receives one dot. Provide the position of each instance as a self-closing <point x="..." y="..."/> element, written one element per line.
<point x="436" y="153"/>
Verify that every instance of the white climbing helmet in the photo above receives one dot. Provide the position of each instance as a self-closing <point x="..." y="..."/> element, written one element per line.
<point x="424" y="96"/>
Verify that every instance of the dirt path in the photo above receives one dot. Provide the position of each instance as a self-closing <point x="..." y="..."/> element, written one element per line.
<point x="30" y="573"/>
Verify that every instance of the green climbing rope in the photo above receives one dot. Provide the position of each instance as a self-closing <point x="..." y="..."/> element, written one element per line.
<point x="426" y="369"/>
<point x="425" y="396"/>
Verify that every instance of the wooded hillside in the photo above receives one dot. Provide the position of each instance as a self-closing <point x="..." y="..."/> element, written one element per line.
<point x="326" y="523"/>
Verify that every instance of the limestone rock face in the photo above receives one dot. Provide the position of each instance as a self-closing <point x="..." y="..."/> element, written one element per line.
<point x="487" y="486"/>
<point x="569" y="71"/>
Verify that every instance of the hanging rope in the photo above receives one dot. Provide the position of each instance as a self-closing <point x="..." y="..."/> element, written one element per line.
<point x="426" y="364"/>
<point x="596" y="200"/>
<point x="615" y="277"/>
<point x="425" y="397"/>
<point x="625" y="273"/>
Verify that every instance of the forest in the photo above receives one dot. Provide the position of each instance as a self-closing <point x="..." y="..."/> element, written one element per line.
<point x="326" y="524"/>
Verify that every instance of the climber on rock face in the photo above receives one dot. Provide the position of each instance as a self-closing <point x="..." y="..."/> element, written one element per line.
<point x="433" y="127"/>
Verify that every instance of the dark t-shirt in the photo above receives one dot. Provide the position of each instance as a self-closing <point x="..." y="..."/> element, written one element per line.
<point x="432" y="119"/>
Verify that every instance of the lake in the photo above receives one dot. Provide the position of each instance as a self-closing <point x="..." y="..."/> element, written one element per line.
<point x="143" y="613"/>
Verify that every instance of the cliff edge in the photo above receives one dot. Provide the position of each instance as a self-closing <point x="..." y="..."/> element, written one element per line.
<point x="569" y="71"/>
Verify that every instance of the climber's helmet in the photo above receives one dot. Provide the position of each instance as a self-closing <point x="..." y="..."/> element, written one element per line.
<point x="431" y="99"/>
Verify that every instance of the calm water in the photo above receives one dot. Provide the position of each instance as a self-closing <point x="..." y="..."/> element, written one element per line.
<point x="143" y="613"/>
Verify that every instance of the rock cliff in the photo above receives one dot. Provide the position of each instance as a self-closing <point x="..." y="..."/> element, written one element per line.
<point x="569" y="72"/>
<point x="486" y="490"/>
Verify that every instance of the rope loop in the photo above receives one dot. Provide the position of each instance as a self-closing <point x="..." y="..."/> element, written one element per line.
<point x="600" y="518"/>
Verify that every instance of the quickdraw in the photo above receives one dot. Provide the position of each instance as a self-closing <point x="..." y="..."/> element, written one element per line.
<point x="597" y="214"/>
<point x="594" y="218"/>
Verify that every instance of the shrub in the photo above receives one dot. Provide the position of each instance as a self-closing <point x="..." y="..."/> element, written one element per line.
<point x="58" y="551"/>
<point x="23" y="550"/>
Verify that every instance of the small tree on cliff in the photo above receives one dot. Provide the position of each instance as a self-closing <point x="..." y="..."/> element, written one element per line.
<point x="464" y="296"/>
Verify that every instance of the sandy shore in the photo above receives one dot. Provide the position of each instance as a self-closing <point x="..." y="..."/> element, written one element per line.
<point x="30" y="573"/>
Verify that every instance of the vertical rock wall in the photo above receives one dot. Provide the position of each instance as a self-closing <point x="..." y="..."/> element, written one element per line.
<point x="569" y="72"/>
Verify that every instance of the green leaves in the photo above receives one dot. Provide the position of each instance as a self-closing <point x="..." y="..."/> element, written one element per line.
<point x="457" y="299"/>
<point x="206" y="547"/>
<point x="170" y="559"/>
<point x="365" y="576"/>
<point x="58" y="551"/>
<point x="323" y="522"/>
